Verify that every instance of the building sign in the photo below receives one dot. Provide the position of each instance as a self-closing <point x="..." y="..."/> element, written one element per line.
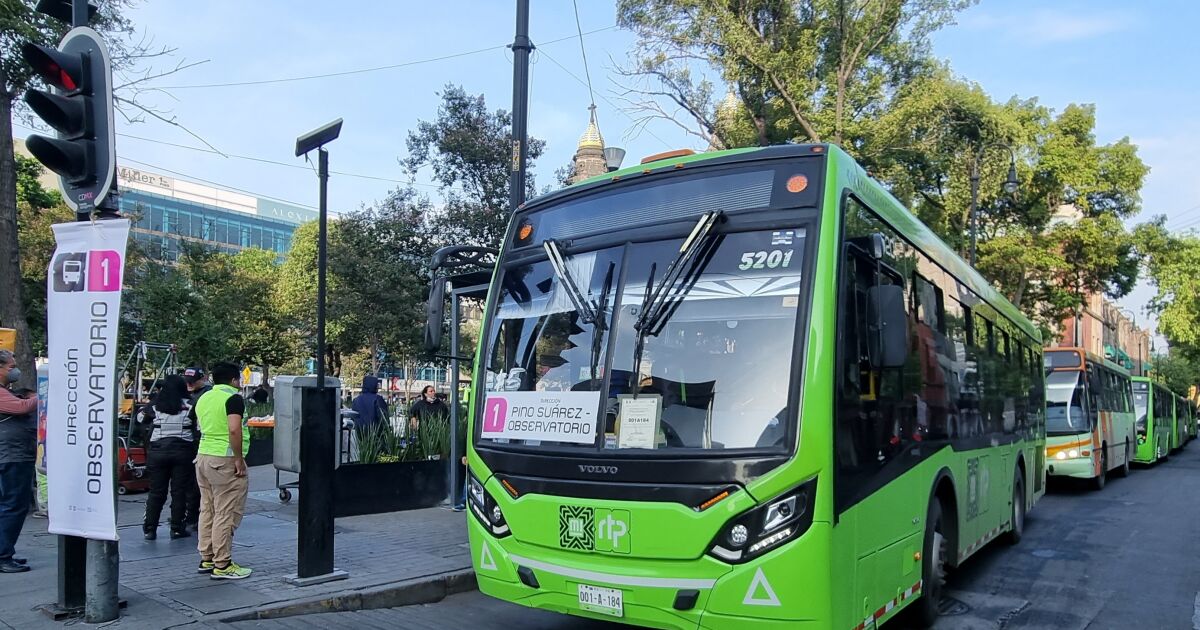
<point x="131" y="177"/>
<point x="284" y="211"/>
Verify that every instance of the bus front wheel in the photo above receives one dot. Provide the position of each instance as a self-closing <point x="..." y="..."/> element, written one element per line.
<point x="924" y="611"/>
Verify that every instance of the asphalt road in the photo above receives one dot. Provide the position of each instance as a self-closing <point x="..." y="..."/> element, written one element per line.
<point x="1127" y="557"/>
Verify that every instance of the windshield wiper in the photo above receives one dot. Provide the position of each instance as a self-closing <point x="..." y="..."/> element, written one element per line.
<point x="669" y="289"/>
<point x="586" y="308"/>
<point x="656" y="304"/>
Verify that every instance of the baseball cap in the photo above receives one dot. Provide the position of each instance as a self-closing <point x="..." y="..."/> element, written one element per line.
<point x="193" y="374"/>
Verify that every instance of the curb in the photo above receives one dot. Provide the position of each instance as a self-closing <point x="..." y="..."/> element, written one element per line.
<point x="423" y="590"/>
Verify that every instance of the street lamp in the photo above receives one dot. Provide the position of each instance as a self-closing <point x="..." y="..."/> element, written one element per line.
<point x="613" y="156"/>
<point x="1010" y="185"/>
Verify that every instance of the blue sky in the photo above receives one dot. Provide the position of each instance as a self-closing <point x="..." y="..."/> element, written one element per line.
<point x="1135" y="61"/>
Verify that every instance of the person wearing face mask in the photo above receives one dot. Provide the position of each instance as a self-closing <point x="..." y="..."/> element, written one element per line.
<point x="18" y="449"/>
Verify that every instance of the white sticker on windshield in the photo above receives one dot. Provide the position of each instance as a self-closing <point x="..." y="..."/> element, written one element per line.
<point x="639" y="418"/>
<point x="550" y="416"/>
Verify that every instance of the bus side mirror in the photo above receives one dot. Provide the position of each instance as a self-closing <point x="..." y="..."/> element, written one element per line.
<point x="435" y="315"/>
<point x="888" y="344"/>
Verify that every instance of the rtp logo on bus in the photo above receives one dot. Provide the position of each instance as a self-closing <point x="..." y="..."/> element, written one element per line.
<point x="593" y="529"/>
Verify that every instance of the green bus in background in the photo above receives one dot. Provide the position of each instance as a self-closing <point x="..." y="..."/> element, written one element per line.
<point x="1154" y="415"/>
<point x="1184" y="429"/>
<point x="744" y="389"/>
<point x="1090" y="427"/>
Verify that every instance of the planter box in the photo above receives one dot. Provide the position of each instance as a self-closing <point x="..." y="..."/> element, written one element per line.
<point x="261" y="452"/>
<point x="392" y="487"/>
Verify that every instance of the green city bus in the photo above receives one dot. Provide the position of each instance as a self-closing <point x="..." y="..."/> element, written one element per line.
<point x="1153" y="408"/>
<point x="1183" y="422"/>
<point x="703" y="372"/>
<point x="1089" y="416"/>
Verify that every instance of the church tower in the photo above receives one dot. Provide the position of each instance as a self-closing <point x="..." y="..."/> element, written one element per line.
<point x="589" y="155"/>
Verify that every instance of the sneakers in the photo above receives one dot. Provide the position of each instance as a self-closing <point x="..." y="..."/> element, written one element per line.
<point x="206" y="566"/>
<point x="231" y="572"/>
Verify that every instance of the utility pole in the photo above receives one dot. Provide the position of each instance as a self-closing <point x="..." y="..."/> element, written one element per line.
<point x="521" y="48"/>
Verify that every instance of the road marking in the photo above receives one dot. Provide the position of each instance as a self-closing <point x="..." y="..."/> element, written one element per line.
<point x="1196" y="613"/>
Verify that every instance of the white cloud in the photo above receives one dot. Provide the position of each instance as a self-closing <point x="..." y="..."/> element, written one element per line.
<point x="1051" y="26"/>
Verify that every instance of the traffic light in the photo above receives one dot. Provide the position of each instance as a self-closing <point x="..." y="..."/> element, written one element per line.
<point x="79" y="107"/>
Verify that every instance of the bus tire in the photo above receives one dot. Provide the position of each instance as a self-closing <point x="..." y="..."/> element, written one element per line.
<point x="1123" y="471"/>
<point x="1014" y="535"/>
<point x="923" y="613"/>
<point x="1099" y="480"/>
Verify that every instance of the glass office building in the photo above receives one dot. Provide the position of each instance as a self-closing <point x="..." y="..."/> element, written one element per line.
<point x="167" y="212"/>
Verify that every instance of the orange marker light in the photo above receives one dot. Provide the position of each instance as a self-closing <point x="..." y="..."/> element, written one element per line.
<point x="713" y="501"/>
<point x="797" y="183"/>
<point x="525" y="231"/>
<point x="509" y="487"/>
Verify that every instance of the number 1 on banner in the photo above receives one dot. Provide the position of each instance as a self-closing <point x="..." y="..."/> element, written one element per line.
<point x="104" y="270"/>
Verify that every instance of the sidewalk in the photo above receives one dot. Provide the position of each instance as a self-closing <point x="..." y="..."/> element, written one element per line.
<point x="393" y="559"/>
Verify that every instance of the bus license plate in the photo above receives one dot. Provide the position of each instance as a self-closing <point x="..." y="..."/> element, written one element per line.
<point x="602" y="600"/>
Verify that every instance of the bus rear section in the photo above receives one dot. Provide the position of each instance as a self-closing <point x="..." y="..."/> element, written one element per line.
<point x="1090" y="428"/>
<point x="1152" y="421"/>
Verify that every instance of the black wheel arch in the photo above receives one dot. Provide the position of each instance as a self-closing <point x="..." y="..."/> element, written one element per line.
<point x="943" y="490"/>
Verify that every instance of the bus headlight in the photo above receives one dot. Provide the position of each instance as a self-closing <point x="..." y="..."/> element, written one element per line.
<point x="485" y="508"/>
<point x="766" y="526"/>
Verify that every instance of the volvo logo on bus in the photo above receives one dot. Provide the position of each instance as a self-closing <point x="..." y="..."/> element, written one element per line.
<point x="600" y="470"/>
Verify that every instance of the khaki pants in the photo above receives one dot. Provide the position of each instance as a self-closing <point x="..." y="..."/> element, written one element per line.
<point x="222" y="501"/>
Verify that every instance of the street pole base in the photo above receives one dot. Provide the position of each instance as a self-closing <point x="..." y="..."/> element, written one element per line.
<point x="60" y="613"/>
<point x="332" y="576"/>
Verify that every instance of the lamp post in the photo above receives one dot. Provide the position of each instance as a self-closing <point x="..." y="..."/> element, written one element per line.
<point x="1010" y="185"/>
<point x="1133" y="318"/>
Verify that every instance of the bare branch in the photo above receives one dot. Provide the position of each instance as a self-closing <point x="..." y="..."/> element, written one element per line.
<point x="170" y="121"/>
<point x="148" y="76"/>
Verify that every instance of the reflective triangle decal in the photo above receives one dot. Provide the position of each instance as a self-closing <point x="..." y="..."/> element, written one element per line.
<point x="485" y="558"/>
<point x="757" y="585"/>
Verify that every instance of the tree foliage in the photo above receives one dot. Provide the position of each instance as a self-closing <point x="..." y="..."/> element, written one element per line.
<point x="1171" y="261"/>
<point x="469" y="149"/>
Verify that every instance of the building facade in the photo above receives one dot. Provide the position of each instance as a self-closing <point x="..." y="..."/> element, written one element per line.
<point x="589" y="153"/>
<point x="167" y="212"/>
<point x="1106" y="330"/>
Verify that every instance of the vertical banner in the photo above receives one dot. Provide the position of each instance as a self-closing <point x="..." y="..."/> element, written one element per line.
<point x="83" y="308"/>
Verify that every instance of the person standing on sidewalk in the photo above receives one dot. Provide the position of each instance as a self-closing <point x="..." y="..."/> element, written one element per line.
<point x="221" y="471"/>
<point x="198" y="385"/>
<point x="18" y="449"/>
<point x="172" y="451"/>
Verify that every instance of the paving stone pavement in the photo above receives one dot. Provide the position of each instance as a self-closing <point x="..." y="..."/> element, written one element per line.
<point x="159" y="579"/>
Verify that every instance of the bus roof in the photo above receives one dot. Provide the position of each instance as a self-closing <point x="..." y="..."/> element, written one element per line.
<point x="1085" y="356"/>
<point x="872" y="191"/>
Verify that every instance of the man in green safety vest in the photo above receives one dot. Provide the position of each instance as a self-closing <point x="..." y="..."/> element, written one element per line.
<point x="221" y="471"/>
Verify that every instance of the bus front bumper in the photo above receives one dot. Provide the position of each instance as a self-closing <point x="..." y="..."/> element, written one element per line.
<point x="693" y="594"/>
<point x="1078" y="468"/>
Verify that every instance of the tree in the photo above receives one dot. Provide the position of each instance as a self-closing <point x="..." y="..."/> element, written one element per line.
<point x="37" y="210"/>
<point x="469" y="149"/>
<point x="1171" y="261"/>
<point x="261" y="336"/>
<point x="1178" y="370"/>
<point x="381" y="255"/>
<point x="814" y="70"/>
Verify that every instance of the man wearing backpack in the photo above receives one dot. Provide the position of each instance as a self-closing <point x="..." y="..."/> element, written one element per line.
<point x="18" y="448"/>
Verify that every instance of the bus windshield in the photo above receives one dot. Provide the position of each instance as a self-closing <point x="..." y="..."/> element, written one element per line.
<point x="712" y="373"/>
<point x="1064" y="403"/>
<point x="1141" y="407"/>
